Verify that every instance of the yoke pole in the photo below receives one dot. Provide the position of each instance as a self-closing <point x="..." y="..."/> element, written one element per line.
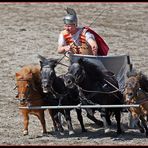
<point x="79" y="106"/>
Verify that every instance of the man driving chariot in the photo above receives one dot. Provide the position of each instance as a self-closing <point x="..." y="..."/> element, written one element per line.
<point x="79" y="40"/>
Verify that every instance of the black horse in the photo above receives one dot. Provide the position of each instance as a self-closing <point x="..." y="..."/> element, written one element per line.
<point x="96" y="87"/>
<point x="58" y="93"/>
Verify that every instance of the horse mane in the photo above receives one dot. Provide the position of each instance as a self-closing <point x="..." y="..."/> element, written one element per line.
<point x="143" y="82"/>
<point x="92" y="70"/>
<point x="27" y="69"/>
<point x="48" y="61"/>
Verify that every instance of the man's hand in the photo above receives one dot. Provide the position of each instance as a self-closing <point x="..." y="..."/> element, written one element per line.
<point x="67" y="48"/>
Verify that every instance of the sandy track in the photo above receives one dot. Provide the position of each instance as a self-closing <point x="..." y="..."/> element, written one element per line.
<point x="31" y="29"/>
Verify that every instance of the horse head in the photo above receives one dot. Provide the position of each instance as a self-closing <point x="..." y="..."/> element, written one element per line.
<point x="48" y="74"/>
<point x="132" y="88"/>
<point x="23" y="85"/>
<point x="75" y="75"/>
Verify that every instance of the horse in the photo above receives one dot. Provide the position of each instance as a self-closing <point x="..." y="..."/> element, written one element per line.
<point x="135" y="93"/>
<point x="96" y="86"/>
<point x="30" y="93"/>
<point x="143" y="79"/>
<point x="54" y="86"/>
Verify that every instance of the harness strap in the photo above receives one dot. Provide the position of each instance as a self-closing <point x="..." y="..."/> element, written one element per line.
<point x="101" y="92"/>
<point x="141" y="101"/>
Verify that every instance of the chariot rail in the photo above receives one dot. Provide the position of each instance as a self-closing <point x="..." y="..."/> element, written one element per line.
<point x="79" y="106"/>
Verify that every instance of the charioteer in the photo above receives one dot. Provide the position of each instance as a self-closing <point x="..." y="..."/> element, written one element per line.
<point x="80" y="40"/>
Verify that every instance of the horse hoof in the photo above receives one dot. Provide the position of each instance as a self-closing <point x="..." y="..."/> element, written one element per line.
<point x="45" y="134"/>
<point x="71" y="132"/>
<point x="107" y="130"/>
<point x="25" y="132"/>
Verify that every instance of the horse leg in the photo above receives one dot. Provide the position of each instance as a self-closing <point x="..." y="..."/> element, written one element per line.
<point x="118" y="119"/>
<point x="130" y="121"/>
<point x="68" y="119"/>
<point x="108" y="114"/>
<point x="139" y="126"/>
<point x="144" y="124"/>
<point x="41" y="117"/>
<point x="80" y="118"/>
<point x="56" y="118"/>
<point x="53" y="120"/>
<point x="61" y="118"/>
<point x="26" y="122"/>
<point x="90" y="115"/>
<point x="104" y="114"/>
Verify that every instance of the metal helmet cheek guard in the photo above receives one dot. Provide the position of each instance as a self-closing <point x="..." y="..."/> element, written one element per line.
<point x="71" y="17"/>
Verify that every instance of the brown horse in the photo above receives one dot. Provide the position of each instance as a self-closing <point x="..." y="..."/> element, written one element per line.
<point x="134" y="94"/>
<point x="30" y="93"/>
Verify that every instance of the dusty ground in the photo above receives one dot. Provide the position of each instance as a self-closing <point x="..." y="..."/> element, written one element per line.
<point x="30" y="29"/>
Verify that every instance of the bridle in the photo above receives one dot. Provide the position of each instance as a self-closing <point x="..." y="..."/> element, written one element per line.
<point x="80" y="78"/>
<point x="29" y="86"/>
<point x="135" y="98"/>
<point x="77" y="79"/>
<point x="92" y="93"/>
<point x="45" y="69"/>
<point x="133" y="86"/>
<point x="50" y="86"/>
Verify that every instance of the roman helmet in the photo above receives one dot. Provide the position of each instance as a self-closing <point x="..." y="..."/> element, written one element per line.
<point x="71" y="17"/>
